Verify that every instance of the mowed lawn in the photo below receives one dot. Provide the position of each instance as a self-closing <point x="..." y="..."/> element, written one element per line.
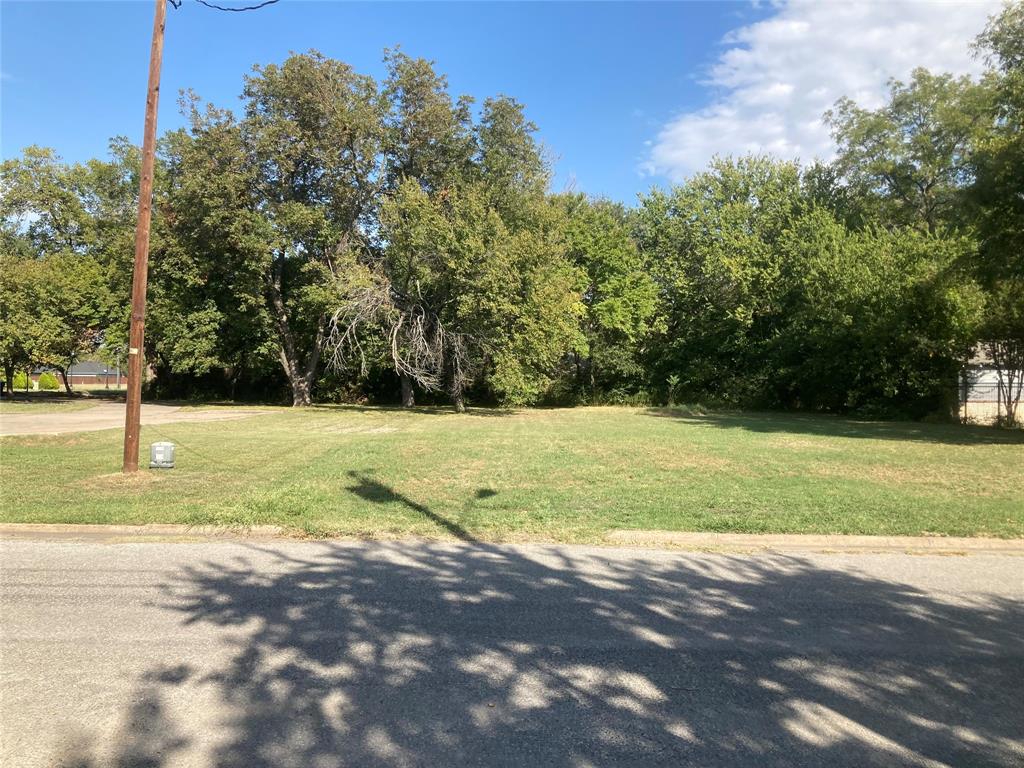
<point x="43" y="405"/>
<point x="558" y="475"/>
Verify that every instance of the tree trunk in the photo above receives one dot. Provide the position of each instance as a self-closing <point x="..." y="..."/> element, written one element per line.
<point x="300" y="376"/>
<point x="1008" y="357"/>
<point x="9" y="375"/>
<point x="67" y="380"/>
<point x="408" y="395"/>
<point x="301" y="392"/>
<point x="236" y="374"/>
<point x="303" y="376"/>
<point x="454" y="383"/>
<point x="458" y="400"/>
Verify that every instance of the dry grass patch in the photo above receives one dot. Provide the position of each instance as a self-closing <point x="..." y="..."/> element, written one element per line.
<point x="119" y="480"/>
<point x="961" y="479"/>
<point x="662" y="457"/>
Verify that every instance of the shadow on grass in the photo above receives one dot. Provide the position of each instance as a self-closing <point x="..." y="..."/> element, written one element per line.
<point x="395" y="654"/>
<point x="420" y="410"/>
<point x="836" y="426"/>
<point x="369" y="489"/>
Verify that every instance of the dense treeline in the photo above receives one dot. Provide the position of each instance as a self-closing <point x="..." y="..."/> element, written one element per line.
<point x="345" y="239"/>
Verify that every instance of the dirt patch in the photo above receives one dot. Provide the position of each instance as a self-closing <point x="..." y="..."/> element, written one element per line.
<point x="111" y="416"/>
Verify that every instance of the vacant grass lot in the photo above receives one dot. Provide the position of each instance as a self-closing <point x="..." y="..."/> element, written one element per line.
<point x="564" y="475"/>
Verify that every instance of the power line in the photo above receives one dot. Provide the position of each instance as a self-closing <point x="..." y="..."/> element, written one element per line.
<point x="216" y="7"/>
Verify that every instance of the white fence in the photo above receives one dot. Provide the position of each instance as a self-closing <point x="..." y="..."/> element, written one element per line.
<point x="980" y="398"/>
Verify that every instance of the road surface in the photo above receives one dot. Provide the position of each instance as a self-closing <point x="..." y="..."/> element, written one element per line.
<point x="253" y="653"/>
<point x="109" y="415"/>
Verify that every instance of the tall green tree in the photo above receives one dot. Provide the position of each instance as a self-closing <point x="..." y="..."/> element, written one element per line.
<point x="208" y="311"/>
<point x="619" y="294"/>
<point x="58" y="301"/>
<point x="770" y="300"/>
<point x="428" y="135"/>
<point x="429" y="141"/>
<point x="875" y="321"/>
<point x="471" y="298"/>
<point x="469" y="282"/>
<point x="22" y="339"/>
<point x="78" y="306"/>
<point x="909" y="160"/>
<point x="290" y="187"/>
<point x="714" y="249"/>
<point x="998" y="202"/>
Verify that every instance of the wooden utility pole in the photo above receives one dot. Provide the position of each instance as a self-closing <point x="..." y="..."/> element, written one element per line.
<point x="141" y="272"/>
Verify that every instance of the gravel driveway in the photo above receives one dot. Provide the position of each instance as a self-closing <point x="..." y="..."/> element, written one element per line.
<point x="109" y="415"/>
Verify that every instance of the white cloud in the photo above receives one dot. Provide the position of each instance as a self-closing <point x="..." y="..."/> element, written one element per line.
<point x="776" y="78"/>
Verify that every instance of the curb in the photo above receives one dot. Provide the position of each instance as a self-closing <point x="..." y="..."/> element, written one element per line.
<point x="151" y="531"/>
<point x="738" y="543"/>
<point x="754" y="542"/>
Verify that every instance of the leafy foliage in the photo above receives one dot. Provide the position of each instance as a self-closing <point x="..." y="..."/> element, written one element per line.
<point x="909" y="160"/>
<point x="56" y="292"/>
<point x="48" y="382"/>
<point x="619" y="295"/>
<point x="408" y="237"/>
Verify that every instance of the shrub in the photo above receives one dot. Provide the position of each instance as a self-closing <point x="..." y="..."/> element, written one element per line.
<point x="673" y="387"/>
<point x="20" y="381"/>
<point x="621" y="396"/>
<point x="47" y="381"/>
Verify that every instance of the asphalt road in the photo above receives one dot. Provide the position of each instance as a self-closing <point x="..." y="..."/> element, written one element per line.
<point x="246" y="654"/>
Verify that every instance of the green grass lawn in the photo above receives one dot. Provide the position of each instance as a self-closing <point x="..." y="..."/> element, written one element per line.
<point x="42" y="404"/>
<point x="559" y="475"/>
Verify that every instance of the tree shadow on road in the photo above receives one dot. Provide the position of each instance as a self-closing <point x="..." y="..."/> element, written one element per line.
<point x="452" y="654"/>
<point x="146" y="737"/>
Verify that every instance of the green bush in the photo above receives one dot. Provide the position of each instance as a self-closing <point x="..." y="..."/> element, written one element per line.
<point x="48" y="381"/>
<point x="620" y="396"/>
<point x="20" y="380"/>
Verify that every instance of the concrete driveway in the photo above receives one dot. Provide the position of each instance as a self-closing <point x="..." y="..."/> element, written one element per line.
<point x="276" y="653"/>
<point x="109" y="415"/>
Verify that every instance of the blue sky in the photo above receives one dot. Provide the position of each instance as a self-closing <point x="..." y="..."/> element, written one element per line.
<point x="626" y="95"/>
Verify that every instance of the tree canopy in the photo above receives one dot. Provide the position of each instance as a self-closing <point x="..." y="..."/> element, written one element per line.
<point x="343" y="237"/>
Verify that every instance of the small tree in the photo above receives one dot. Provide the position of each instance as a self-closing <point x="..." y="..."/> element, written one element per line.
<point x="48" y="382"/>
<point x="672" y="384"/>
<point x="1004" y="331"/>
